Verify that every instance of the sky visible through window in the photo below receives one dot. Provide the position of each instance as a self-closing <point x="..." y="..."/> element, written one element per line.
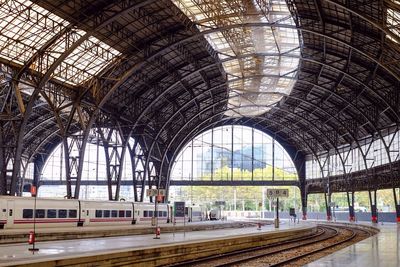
<point x="233" y="153"/>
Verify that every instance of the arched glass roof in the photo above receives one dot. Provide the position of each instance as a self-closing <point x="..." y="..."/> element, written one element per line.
<point x="26" y="28"/>
<point x="259" y="58"/>
<point x="70" y="66"/>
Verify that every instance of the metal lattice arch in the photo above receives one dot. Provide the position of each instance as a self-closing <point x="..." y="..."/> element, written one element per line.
<point x="322" y="77"/>
<point x="103" y="163"/>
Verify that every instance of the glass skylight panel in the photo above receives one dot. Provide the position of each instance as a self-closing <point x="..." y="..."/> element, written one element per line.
<point x="86" y="61"/>
<point x="249" y="47"/>
<point x="393" y="20"/>
<point x="26" y="27"/>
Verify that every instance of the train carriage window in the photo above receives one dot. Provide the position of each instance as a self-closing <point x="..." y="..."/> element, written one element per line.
<point x="114" y="213"/>
<point x="40" y="213"/>
<point x="128" y="213"/>
<point x="51" y="213"/>
<point x="164" y="214"/>
<point x="159" y="213"/>
<point x="72" y="213"/>
<point x="150" y="213"/>
<point x="27" y="213"/>
<point x="99" y="213"/>
<point x="62" y="213"/>
<point x="121" y="213"/>
<point x="106" y="213"/>
<point x="145" y="213"/>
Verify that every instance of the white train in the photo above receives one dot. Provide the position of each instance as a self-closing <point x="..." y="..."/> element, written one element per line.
<point x="215" y="214"/>
<point x="18" y="212"/>
<point x="195" y="213"/>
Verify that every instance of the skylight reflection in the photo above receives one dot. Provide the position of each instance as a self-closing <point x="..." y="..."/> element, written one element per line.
<point x="261" y="62"/>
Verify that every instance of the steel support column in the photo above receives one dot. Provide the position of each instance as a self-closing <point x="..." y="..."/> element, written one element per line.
<point x="328" y="200"/>
<point x="372" y="201"/>
<point x="396" y="196"/>
<point x="114" y="145"/>
<point x="38" y="166"/>
<point x="350" y="201"/>
<point x="137" y="159"/>
<point x="304" y="198"/>
<point x="74" y="151"/>
<point x="3" y="163"/>
<point x="10" y="121"/>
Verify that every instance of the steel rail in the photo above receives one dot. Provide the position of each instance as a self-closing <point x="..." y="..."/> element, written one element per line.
<point x="296" y="244"/>
<point x="321" y="231"/>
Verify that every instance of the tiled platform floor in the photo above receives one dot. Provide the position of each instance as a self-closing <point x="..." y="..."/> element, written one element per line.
<point x="381" y="250"/>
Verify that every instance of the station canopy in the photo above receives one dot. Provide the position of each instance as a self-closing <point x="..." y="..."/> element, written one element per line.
<point x="321" y="77"/>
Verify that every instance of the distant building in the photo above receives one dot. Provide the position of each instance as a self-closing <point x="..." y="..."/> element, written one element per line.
<point x="218" y="157"/>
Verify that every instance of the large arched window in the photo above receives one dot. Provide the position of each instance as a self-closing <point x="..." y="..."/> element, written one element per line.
<point x="233" y="153"/>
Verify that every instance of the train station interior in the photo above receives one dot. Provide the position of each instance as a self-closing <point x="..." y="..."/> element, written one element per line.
<point x="200" y="133"/>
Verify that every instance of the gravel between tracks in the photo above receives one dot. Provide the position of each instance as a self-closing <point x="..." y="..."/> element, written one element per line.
<point x="306" y="250"/>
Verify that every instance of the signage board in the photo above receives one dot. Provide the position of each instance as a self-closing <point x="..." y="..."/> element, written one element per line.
<point x="179" y="207"/>
<point x="274" y="193"/>
<point x="162" y="192"/>
<point x="154" y="192"/>
<point x="219" y="203"/>
<point x="151" y="192"/>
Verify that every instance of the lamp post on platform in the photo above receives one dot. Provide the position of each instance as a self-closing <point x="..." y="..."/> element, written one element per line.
<point x="32" y="234"/>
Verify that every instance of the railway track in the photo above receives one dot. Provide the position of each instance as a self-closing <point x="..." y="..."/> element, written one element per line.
<point x="295" y="252"/>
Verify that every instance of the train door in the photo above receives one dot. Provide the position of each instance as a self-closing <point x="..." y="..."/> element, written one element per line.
<point x="134" y="217"/>
<point x="10" y="212"/>
<point x="3" y="213"/>
<point x="171" y="214"/>
<point x="81" y="214"/>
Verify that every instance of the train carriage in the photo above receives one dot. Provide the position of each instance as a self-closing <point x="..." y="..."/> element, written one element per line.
<point x="17" y="212"/>
<point x="146" y="212"/>
<point x="108" y="213"/>
<point x="20" y="212"/>
<point x="195" y="213"/>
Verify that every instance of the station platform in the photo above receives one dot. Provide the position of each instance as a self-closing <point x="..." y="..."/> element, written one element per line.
<point x="380" y="250"/>
<point x="8" y="236"/>
<point x="88" y="251"/>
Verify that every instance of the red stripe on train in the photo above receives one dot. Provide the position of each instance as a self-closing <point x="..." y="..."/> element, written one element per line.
<point x="44" y="221"/>
<point x="149" y="218"/>
<point x="111" y="220"/>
